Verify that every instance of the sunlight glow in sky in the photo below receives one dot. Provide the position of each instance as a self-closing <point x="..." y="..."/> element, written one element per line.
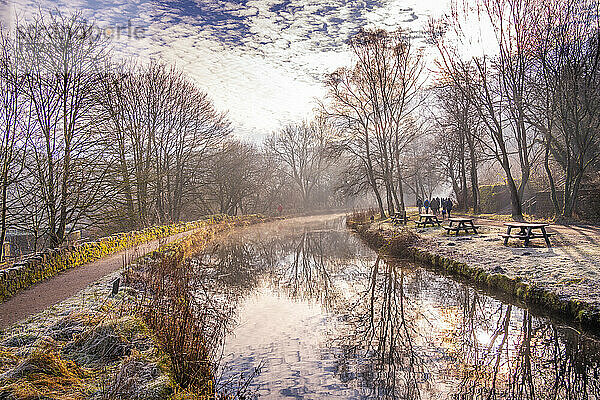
<point x="262" y="60"/>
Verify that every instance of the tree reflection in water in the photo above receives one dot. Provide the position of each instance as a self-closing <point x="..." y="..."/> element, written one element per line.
<point x="399" y="331"/>
<point x="409" y="339"/>
<point x="380" y="345"/>
<point x="302" y="264"/>
<point x="504" y="352"/>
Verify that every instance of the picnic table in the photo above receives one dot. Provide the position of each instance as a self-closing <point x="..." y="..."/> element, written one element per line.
<point x="526" y="232"/>
<point x="465" y="224"/>
<point x="399" y="218"/>
<point x="427" y="219"/>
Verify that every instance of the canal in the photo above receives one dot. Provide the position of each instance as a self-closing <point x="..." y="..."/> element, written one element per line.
<point x="313" y="313"/>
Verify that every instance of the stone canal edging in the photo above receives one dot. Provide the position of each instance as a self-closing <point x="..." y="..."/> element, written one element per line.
<point x="404" y="244"/>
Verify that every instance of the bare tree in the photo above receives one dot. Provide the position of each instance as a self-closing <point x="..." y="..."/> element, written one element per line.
<point x="459" y="123"/>
<point x="14" y="138"/>
<point x="302" y="153"/>
<point x="164" y="127"/>
<point x="60" y="57"/>
<point x="236" y="174"/>
<point x="498" y="89"/>
<point x="565" y="78"/>
<point x="116" y="104"/>
<point x="372" y="103"/>
<point x="349" y="112"/>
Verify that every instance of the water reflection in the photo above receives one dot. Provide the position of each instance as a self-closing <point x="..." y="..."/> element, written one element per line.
<point x="328" y="318"/>
<point x="381" y="345"/>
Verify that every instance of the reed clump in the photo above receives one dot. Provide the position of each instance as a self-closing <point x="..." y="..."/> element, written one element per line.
<point x="174" y="300"/>
<point x="41" y="374"/>
<point x="401" y="243"/>
<point x="360" y="217"/>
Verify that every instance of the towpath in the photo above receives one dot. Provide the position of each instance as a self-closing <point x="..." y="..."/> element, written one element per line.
<point x="64" y="285"/>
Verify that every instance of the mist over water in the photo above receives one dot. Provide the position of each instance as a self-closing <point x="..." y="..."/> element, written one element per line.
<point x="322" y="316"/>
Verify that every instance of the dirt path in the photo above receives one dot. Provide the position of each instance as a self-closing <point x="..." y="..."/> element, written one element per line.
<point x="64" y="285"/>
<point x="576" y="230"/>
<point x="566" y="235"/>
<point x="569" y="234"/>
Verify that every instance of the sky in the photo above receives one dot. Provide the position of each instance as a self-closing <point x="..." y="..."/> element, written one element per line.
<point x="262" y="61"/>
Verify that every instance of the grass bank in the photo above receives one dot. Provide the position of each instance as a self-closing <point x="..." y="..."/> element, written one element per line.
<point x="405" y="243"/>
<point x="145" y="343"/>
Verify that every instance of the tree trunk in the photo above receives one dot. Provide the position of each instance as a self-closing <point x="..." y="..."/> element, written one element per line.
<point x="463" y="180"/>
<point x="401" y="193"/>
<point x="4" y="210"/>
<point x="377" y="196"/>
<point x="51" y="199"/>
<point x="132" y="216"/>
<point x="525" y="172"/>
<point x="473" y="173"/>
<point x="515" y="199"/>
<point x="517" y="209"/>
<point x="475" y="186"/>
<point x="571" y="200"/>
<point x="553" y="196"/>
<point x="389" y="197"/>
<point x="371" y="177"/>
<point x="62" y="225"/>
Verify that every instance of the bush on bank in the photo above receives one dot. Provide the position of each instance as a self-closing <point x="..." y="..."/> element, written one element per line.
<point x="48" y="263"/>
<point x="187" y="327"/>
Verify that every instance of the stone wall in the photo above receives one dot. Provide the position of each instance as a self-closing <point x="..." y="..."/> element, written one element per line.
<point x="47" y="263"/>
<point x="588" y="204"/>
<point x="493" y="198"/>
<point x="496" y="199"/>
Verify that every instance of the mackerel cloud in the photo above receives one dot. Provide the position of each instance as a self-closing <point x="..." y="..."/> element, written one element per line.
<point x="262" y="60"/>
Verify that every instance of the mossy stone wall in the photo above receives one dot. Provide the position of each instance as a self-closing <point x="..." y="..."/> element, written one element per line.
<point x="49" y="262"/>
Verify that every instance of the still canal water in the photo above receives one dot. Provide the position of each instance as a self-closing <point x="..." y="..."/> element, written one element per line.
<point x="315" y="314"/>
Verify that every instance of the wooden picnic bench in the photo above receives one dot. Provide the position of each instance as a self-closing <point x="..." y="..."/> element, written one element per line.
<point x="427" y="219"/>
<point x="526" y="232"/>
<point x="399" y="218"/>
<point x="465" y="224"/>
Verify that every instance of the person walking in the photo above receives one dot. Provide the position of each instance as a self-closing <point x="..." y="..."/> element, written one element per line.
<point x="435" y="205"/>
<point x="448" y="206"/>
<point x="443" y="208"/>
<point x="426" y="205"/>
<point x="419" y="204"/>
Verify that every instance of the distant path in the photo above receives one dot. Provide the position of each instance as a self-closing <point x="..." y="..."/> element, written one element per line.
<point x="67" y="283"/>
<point x="573" y="231"/>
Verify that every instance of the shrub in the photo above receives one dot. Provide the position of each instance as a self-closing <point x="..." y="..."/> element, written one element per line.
<point x="188" y="328"/>
<point x="401" y="243"/>
<point x="360" y="217"/>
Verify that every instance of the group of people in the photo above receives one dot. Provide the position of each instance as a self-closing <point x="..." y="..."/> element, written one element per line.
<point x="436" y="204"/>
